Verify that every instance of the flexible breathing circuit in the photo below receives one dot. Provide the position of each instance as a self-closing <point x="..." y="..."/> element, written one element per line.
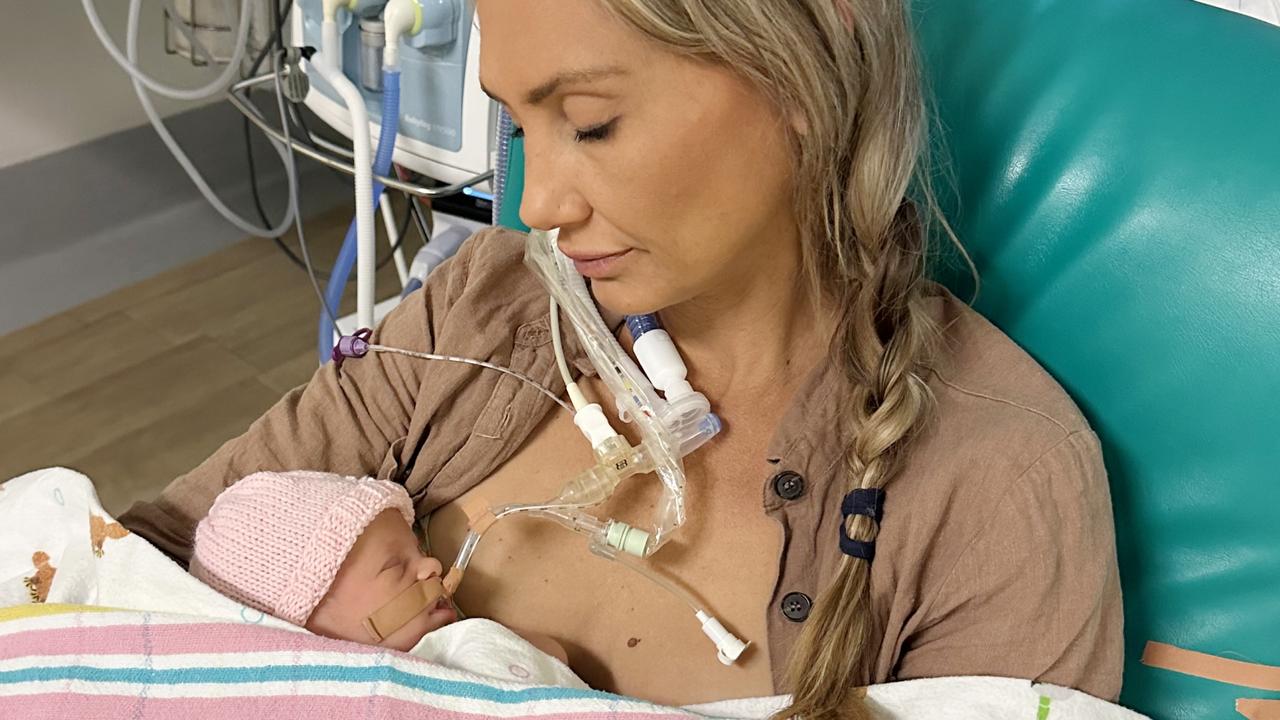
<point x="359" y="246"/>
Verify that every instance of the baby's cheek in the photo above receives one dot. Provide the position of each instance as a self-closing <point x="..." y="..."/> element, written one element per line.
<point x="332" y="621"/>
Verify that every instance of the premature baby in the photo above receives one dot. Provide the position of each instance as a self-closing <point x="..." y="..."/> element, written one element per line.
<point x="338" y="556"/>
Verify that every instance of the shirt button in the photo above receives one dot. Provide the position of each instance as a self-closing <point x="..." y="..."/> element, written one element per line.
<point x="788" y="485"/>
<point x="796" y="606"/>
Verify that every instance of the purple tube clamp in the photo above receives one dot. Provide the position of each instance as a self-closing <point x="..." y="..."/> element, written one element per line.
<point x="355" y="345"/>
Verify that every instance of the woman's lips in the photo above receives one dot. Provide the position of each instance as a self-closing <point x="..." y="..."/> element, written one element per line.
<point x="596" y="265"/>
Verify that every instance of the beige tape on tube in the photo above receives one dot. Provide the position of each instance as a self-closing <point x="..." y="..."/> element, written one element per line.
<point x="452" y="580"/>
<point x="1212" y="667"/>
<point x="403" y="607"/>
<point x="479" y="516"/>
<point x="1256" y="709"/>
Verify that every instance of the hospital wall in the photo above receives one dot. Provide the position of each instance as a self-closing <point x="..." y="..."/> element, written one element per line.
<point x="91" y="199"/>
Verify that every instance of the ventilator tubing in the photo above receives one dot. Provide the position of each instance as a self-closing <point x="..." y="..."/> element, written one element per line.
<point x="660" y="448"/>
<point x="360" y="242"/>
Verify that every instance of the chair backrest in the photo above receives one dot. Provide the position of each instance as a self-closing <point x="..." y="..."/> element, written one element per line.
<point x="1116" y="170"/>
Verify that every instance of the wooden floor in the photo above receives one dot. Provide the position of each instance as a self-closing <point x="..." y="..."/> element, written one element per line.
<point x="140" y="386"/>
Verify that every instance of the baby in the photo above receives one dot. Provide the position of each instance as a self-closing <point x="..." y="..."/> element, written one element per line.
<point x="338" y="556"/>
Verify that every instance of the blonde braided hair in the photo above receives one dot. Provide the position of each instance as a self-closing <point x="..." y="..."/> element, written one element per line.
<point x="848" y="69"/>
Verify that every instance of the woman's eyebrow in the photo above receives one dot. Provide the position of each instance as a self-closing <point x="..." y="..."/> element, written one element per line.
<point x="548" y="88"/>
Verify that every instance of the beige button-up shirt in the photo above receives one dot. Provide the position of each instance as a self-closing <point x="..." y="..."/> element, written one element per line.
<point x="996" y="555"/>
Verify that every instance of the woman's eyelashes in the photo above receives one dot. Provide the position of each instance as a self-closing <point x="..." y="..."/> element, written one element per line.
<point x="594" y="133"/>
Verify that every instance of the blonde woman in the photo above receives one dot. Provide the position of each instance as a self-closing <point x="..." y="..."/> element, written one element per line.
<point x="900" y="492"/>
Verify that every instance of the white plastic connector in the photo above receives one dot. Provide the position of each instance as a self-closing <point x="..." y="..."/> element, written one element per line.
<point x="591" y="420"/>
<point x="402" y="17"/>
<point x="662" y="363"/>
<point x="728" y="646"/>
<point x="630" y="540"/>
<point x="666" y="370"/>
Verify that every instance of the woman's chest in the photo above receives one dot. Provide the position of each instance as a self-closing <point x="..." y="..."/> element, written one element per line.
<point x="624" y="633"/>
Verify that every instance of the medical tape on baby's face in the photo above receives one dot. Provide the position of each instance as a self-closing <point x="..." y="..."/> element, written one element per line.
<point x="399" y="610"/>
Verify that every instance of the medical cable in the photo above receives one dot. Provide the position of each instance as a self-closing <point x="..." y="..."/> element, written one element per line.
<point x="478" y="363"/>
<point x="292" y="168"/>
<point x="589" y="417"/>
<point x="256" y="194"/>
<point x="425" y="221"/>
<point x="394" y="238"/>
<point x="131" y="47"/>
<point x="276" y="40"/>
<point x="129" y="64"/>
<point x="557" y="343"/>
<point x="608" y="537"/>
<point x="728" y="646"/>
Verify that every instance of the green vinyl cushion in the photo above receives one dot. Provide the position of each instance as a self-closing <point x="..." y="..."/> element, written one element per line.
<point x="1116" y="176"/>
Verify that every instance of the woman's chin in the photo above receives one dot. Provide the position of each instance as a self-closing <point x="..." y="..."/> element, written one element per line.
<point x="619" y="296"/>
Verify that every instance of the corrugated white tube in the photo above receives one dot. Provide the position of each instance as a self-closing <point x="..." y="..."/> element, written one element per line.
<point x="329" y="45"/>
<point x="366" y="238"/>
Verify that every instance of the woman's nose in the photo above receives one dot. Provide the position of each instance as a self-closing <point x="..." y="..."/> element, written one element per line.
<point x="550" y="199"/>
<point x="429" y="566"/>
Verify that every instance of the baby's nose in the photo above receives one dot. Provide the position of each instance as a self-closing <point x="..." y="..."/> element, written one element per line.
<point x="429" y="566"/>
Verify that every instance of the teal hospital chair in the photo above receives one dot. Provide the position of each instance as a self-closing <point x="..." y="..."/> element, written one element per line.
<point x="1117" y="180"/>
<point x="1115" y="172"/>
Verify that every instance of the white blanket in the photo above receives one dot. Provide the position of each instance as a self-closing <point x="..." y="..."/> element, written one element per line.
<point x="57" y="544"/>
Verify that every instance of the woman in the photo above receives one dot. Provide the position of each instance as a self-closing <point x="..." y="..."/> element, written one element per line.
<point x="741" y="166"/>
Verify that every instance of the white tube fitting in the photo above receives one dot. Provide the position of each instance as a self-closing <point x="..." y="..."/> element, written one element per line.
<point x="662" y="363"/>
<point x="402" y="17"/>
<point x="366" y="248"/>
<point x="591" y="420"/>
<point x="728" y="646"/>
<point x="628" y="539"/>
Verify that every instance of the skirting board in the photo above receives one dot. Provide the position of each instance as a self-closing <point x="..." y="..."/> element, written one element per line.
<point x="114" y="211"/>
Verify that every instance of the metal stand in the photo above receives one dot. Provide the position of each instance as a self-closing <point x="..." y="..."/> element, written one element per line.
<point x="237" y="95"/>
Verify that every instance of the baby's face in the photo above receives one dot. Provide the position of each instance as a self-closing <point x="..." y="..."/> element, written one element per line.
<point x="384" y="561"/>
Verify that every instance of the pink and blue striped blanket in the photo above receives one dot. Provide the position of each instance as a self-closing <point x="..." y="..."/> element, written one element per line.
<point x="70" y="661"/>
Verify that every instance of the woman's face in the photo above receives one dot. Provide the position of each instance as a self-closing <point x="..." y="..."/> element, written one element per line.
<point x="677" y="168"/>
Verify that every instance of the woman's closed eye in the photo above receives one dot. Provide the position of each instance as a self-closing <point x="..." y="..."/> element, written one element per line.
<point x="595" y="133"/>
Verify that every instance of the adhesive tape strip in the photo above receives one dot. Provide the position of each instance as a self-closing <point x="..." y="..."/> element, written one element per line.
<point x="479" y="516"/>
<point x="402" y="608"/>
<point x="1212" y="667"/>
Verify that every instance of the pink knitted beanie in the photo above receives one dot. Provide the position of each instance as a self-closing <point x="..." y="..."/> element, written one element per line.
<point x="275" y="541"/>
